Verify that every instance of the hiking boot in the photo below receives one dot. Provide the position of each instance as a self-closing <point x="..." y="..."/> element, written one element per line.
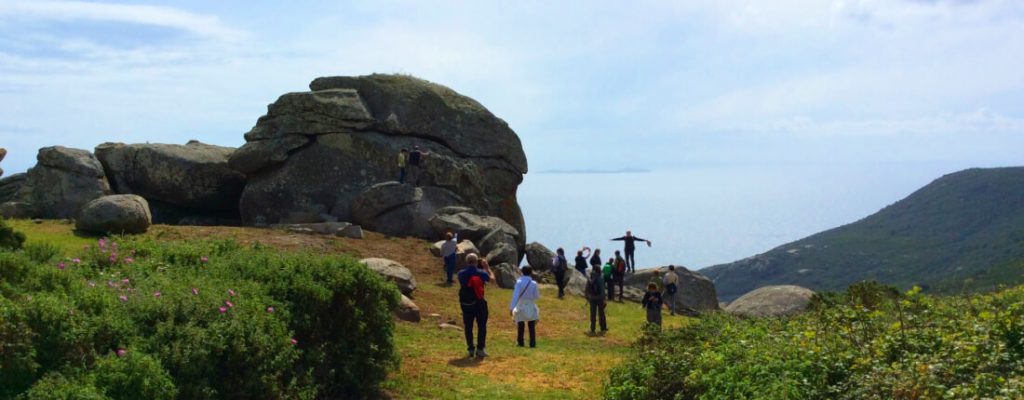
<point x="470" y="355"/>
<point x="481" y="353"/>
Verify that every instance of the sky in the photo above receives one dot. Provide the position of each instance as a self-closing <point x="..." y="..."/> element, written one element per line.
<point x="586" y="84"/>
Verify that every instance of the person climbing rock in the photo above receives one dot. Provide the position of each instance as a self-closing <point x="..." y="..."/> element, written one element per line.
<point x="415" y="165"/>
<point x="630" y="248"/>
<point x="403" y="159"/>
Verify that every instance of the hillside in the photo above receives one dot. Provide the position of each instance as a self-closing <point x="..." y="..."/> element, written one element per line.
<point x="962" y="232"/>
<point x="567" y="363"/>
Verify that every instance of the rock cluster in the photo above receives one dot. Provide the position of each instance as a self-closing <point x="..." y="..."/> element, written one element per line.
<point x="696" y="293"/>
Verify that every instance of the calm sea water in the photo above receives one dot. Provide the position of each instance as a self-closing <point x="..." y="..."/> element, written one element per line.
<point x="700" y="217"/>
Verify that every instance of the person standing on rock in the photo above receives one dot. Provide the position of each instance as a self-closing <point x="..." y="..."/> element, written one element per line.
<point x="474" y="307"/>
<point x="630" y="248"/>
<point x="449" y="253"/>
<point x="581" y="260"/>
<point x="671" y="283"/>
<point x="559" y="266"/>
<point x="403" y="159"/>
<point x="596" y="297"/>
<point x="416" y="157"/>
<point x="523" y="307"/>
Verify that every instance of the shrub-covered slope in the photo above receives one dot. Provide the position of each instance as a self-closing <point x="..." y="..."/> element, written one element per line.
<point x="964" y="231"/>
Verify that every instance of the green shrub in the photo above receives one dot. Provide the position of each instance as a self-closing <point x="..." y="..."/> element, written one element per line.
<point x="869" y="342"/>
<point x="9" y="238"/>
<point x="191" y="321"/>
<point x="41" y="252"/>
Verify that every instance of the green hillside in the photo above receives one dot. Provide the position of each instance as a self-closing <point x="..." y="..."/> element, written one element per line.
<point x="962" y="232"/>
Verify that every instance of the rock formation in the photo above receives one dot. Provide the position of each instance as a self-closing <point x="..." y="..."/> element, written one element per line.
<point x="695" y="291"/>
<point x="62" y="181"/>
<point x="772" y="301"/>
<point x="393" y="271"/>
<point x="326" y="152"/>
<point x="539" y="257"/>
<point x="408" y="310"/>
<point x="115" y="214"/>
<point x="190" y="181"/>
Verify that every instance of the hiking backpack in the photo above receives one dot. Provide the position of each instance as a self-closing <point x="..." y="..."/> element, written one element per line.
<point x="467" y="296"/>
<point x="670" y="288"/>
<point x="620" y="266"/>
<point x="557" y="264"/>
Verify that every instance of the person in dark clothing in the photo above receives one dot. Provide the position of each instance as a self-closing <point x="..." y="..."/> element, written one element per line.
<point x="595" y="260"/>
<point x="474" y="307"/>
<point x="581" y="260"/>
<point x="415" y="163"/>
<point x="596" y="297"/>
<point x="652" y="303"/>
<point x="559" y="265"/>
<point x="618" y="274"/>
<point x="630" y="248"/>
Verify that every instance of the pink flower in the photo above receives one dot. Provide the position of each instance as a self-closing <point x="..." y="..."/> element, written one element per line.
<point x="113" y="258"/>
<point x="229" y="304"/>
<point x="121" y="352"/>
<point x="156" y="294"/>
<point x="103" y="243"/>
<point x="204" y="259"/>
<point x="294" y="342"/>
<point x="125" y="281"/>
<point x="231" y="292"/>
<point x="270" y="309"/>
<point x="123" y="298"/>
<point x="76" y="260"/>
<point x="129" y="260"/>
<point x="111" y="283"/>
<point x="195" y="291"/>
<point x="60" y="265"/>
<point x="223" y="310"/>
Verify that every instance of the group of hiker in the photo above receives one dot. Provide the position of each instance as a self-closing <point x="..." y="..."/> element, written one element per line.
<point x="409" y="165"/>
<point x="523" y="308"/>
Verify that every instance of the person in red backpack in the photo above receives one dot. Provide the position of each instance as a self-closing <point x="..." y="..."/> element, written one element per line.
<point x="474" y="306"/>
<point x="618" y="274"/>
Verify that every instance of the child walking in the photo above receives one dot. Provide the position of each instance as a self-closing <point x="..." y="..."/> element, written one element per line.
<point x="652" y="303"/>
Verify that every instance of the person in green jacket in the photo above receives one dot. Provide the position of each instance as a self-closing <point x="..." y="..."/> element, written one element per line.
<point x="606" y="273"/>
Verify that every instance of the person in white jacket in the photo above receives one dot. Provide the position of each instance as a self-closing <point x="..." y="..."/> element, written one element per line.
<point x="524" y="308"/>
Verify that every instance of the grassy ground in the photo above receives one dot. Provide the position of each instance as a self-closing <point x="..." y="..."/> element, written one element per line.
<point x="567" y="363"/>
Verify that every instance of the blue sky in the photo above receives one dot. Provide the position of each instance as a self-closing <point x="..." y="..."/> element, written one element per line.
<point x="585" y="84"/>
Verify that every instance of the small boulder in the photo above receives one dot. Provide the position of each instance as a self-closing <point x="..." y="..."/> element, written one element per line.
<point x="407" y="310"/>
<point x="539" y="257"/>
<point x="506" y="275"/>
<point x="120" y="213"/>
<point x="351" y="232"/>
<point x="393" y="271"/>
<point x="449" y="327"/>
<point x="772" y="301"/>
<point x="576" y="282"/>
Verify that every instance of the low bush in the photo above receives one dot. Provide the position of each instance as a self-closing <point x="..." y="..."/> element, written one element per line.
<point x="869" y="342"/>
<point x="9" y="238"/>
<point x="131" y="318"/>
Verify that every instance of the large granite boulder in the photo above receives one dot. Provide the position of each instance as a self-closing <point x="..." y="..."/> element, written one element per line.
<point x="772" y="301"/>
<point x="61" y="182"/>
<point x="539" y="257"/>
<point x="115" y="214"/>
<point x="506" y="275"/>
<point x="180" y="181"/>
<point x="319" y="151"/>
<point x="393" y="271"/>
<point x="401" y="210"/>
<point x="490" y="233"/>
<point x="695" y="291"/>
<point x="11" y="186"/>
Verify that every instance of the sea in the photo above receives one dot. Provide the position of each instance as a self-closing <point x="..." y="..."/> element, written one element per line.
<point x="708" y="215"/>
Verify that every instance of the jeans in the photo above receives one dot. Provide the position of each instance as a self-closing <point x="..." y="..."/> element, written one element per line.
<point x="533" y="333"/>
<point x="610" y="283"/>
<point x="449" y="266"/>
<point x="401" y="174"/>
<point x="630" y="262"/>
<point x="619" y="280"/>
<point x="595" y="310"/>
<point x="670" y="299"/>
<point x="560" y="280"/>
<point x="478" y="313"/>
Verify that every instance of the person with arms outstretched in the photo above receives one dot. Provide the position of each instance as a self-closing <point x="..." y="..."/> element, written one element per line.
<point x="630" y="248"/>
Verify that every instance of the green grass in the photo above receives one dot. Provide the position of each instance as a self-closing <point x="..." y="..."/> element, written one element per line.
<point x="58" y="233"/>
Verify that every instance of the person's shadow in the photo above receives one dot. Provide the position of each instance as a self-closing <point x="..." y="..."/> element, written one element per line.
<point x="465" y="362"/>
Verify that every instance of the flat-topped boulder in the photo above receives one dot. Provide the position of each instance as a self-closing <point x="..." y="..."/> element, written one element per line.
<point x="180" y="181"/>
<point x="771" y="301"/>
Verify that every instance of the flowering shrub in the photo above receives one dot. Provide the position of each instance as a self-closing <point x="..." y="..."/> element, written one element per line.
<point x="130" y="318"/>
<point x="870" y="342"/>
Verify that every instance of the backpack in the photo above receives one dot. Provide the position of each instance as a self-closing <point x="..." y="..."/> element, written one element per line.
<point x="592" y="289"/>
<point x="556" y="264"/>
<point x="467" y="296"/>
<point x="620" y="266"/>
<point x="670" y="288"/>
